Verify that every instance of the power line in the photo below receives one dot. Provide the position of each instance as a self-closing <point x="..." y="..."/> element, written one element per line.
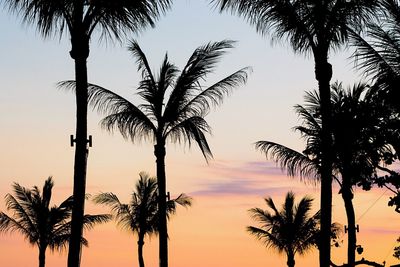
<point x="373" y="204"/>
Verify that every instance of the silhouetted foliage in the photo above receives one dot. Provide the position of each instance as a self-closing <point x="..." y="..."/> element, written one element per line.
<point x="378" y="55"/>
<point x="140" y="216"/>
<point x="80" y="18"/>
<point x="174" y="106"/>
<point x="359" y="149"/>
<point x="42" y="225"/>
<point x="291" y="230"/>
<point x="311" y="27"/>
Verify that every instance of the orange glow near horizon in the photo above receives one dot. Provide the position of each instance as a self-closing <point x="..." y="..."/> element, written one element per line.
<point x="212" y="232"/>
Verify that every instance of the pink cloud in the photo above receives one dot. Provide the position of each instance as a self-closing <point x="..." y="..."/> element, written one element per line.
<point x="258" y="178"/>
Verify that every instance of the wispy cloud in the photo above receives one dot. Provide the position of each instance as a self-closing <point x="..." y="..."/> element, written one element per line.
<point x="246" y="178"/>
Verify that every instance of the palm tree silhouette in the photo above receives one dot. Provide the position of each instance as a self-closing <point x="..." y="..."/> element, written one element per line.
<point x="175" y="104"/>
<point x="311" y="27"/>
<point x="358" y="148"/>
<point x="140" y="215"/>
<point x="43" y="225"/>
<point x="378" y="56"/>
<point x="80" y="18"/>
<point x="290" y="230"/>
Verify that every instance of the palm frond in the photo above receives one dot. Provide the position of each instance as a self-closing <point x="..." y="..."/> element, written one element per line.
<point x="115" y="18"/>
<point x="202" y="62"/>
<point x="189" y="130"/>
<point x="201" y="104"/>
<point x="375" y="57"/>
<point x="123" y="115"/>
<point x="89" y="221"/>
<point x="295" y="163"/>
<point x="8" y="224"/>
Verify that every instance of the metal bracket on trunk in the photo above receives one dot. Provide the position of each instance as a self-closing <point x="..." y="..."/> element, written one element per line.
<point x="72" y="140"/>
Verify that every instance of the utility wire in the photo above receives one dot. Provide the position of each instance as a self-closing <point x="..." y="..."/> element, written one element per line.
<point x="373" y="204"/>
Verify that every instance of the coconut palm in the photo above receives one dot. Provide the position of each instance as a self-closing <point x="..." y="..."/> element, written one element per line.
<point x="42" y="225"/>
<point x="312" y="27"/>
<point x="140" y="216"/>
<point x="174" y="107"/>
<point x="358" y="146"/>
<point x="290" y="230"/>
<point x="80" y="18"/>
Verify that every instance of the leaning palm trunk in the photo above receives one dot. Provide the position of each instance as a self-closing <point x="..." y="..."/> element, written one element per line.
<point x="347" y="196"/>
<point x="159" y="152"/>
<point x="79" y="52"/>
<point x="323" y="74"/>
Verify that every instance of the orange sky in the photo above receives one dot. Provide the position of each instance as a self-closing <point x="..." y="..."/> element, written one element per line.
<point x="36" y="121"/>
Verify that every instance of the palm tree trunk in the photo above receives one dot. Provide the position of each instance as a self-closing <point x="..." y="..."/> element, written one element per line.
<point x="159" y="152"/>
<point x="79" y="52"/>
<point x="140" y="250"/>
<point x="290" y="259"/>
<point x="347" y="196"/>
<point x="323" y="74"/>
<point x="42" y="256"/>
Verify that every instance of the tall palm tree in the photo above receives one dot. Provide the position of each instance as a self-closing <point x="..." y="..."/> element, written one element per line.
<point x="81" y="18"/>
<point x="140" y="215"/>
<point x="313" y="27"/>
<point x="42" y="225"/>
<point x="290" y="230"/>
<point x="175" y="104"/>
<point x="358" y="148"/>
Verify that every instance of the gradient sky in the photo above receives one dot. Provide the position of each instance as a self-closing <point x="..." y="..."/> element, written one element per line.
<point x="37" y="119"/>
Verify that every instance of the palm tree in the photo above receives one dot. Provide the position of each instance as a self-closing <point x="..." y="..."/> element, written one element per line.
<point x="140" y="215"/>
<point x="178" y="117"/>
<point x="312" y="27"/>
<point x="42" y="225"/>
<point x="174" y="108"/>
<point x="81" y="18"/>
<point x="358" y="148"/>
<point x="290" y="230"/>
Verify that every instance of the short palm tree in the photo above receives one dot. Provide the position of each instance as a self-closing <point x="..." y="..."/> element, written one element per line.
<point x="174" y="106"/>
<point x="42" y="225"/>
<point x="80" y="18"/>
<point x="291" y="230"/>
<point x="140" y="216"/>
<point x="358" y="148"/>
<point x="312" y="27"/>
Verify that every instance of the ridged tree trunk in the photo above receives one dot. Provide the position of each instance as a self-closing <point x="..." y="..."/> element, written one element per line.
<point x="159" y="151"/>
<point x="79" y="52"/>
<point x="347" y="196"/>
<point x="140" y="250"/>
<point x="42" y="256"/>
<point x="323" y="74"/>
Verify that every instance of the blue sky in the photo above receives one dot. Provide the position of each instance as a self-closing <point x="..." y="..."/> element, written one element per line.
<point x="37" y="118"/>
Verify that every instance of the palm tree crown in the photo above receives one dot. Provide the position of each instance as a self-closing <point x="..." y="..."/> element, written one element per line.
<point x="41" y="224"/>
<point x="290" y="230"/>
<point x="140" y="216"/>
<point x="179" y="116"/>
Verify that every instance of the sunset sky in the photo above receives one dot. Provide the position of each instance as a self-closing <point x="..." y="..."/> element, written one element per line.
<point x="37" y="119"/>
